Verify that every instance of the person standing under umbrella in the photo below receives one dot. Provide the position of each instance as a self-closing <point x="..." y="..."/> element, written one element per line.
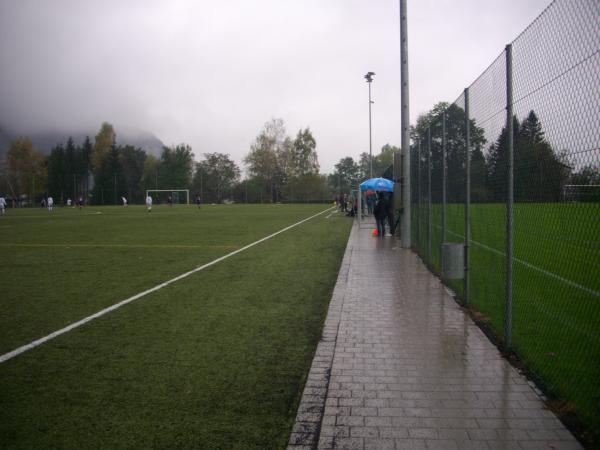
<point x="390" y="212"/>
<point x="371" y="198"/>
<point x="380" y="212"/>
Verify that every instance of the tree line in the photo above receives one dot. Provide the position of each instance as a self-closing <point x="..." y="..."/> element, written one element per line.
<point x="540" y="173"/>
<point x="281" y="168"/>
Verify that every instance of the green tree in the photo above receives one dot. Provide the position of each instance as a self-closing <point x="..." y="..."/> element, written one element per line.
<point x="497" y="163"/>
<point x="345" y="175"/>
<point x="304" y="154"/>
<point x="268" y="159"/>
<point x="56" y="172"/>
<point x="381" y="162"/>
<point x="588" y="175"/>
<point x="364" y="167"/>
<point x="175" y="167"/>
<point x="308" y="188"/>
<point x="132" y="162"/>
<point x="384" y="159"/>
<point x="215" y="177"/>
<point x="105" y="138"/>
<point x="85" y="167"/>
<point x="539" y="174"/>
<point x="27" y="169"/>
<point x="455" y="152"/>
<point x="150" y="173"/>
<point x="71" y="168"/>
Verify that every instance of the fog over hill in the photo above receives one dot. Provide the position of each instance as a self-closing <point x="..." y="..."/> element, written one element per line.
<point x="44" y="141"/>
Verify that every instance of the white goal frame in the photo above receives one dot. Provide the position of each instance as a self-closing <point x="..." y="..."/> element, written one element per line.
<point x="187" y="193"/>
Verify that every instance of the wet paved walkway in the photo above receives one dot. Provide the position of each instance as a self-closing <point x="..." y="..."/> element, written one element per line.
<point x="401" y="366"/>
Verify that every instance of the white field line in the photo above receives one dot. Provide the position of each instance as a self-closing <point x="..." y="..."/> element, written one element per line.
<point x="81" y="322"/>
<point x="535" y="268"/>
<point x="78" y="245"/>
<point x="537" y="305"/>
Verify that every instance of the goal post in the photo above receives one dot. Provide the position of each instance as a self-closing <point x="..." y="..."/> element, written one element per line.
<point x="160" y="195"/>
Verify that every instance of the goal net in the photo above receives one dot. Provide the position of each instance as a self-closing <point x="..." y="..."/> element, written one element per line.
<point x="581" y="192"/>
<point x="166" y="196"/>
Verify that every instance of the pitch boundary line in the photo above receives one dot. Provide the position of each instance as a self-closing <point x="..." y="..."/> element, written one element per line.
<point x="40" y="341"/>
<point x="77" y="245"/>
<point x="534" y="268"/>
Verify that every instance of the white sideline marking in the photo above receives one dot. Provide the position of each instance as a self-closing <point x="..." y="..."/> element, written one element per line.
<point x="535" y="268"/>
<point x="81" y="322"/>
<point x="564" y="321"/>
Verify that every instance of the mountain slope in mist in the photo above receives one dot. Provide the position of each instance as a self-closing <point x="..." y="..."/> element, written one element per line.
<point x="44" y="141"/>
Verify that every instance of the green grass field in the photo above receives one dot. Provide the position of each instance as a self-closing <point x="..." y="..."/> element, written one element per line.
<point x="216" y="360"/>
<point x="556" y="288"/>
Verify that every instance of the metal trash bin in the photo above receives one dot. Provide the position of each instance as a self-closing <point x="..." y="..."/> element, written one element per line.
<point x="453" y="261"/>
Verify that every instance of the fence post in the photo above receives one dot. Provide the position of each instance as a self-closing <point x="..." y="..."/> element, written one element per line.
<point x="419" y="193"/>
<point x="358" y="204"/>
<point x="405" y="132"/>
<point x="429" y="194"/>
<point x="444" y="167"/>
<point x="467" y="198"/>
<point x="509" y="202"/>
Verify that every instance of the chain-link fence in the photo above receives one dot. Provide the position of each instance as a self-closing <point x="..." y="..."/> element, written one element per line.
<point x="525" y="199"/>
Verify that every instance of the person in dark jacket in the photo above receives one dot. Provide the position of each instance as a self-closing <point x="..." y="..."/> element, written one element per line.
<point x="380" y="212"/>
<point x="390" y="212"/>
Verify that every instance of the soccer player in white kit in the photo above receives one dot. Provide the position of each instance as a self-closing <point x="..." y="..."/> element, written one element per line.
<point x="124" y="200"/>
<point x="2" y="204"/>
<point x="50" y="203"/>
<point x="149" y="203"/>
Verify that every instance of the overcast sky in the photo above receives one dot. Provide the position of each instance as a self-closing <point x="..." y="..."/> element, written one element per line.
<point x="211" y="73"/>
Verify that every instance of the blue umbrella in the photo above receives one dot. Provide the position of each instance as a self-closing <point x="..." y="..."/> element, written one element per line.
<point x="377" y="184"/>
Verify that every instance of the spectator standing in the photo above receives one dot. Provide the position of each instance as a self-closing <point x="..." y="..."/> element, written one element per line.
<point x="390" y="212"/>
<point x="370" y="202"/>
<point x="149" y="203"/>
<point x="380" y="212"/>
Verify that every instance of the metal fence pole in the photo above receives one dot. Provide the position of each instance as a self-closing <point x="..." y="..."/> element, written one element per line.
<point x="419" y="193"/>
<point x="467" y="198"/>
<point x="509" y="202"/>
<point x="405" y="120"/>
<point x="444" y="171"/>
<point x="358" y="205"/>
<point x="429" y="195"/>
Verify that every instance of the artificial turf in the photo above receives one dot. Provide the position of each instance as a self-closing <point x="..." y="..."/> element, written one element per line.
<point x="216" y="360"/>
<point x="556" y="288"/>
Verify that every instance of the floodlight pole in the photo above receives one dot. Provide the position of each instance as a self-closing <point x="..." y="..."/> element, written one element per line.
<point x="369" y="78"/>
<point x="405" y="122"/>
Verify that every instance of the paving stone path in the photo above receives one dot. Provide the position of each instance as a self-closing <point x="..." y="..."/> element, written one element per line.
<point x="401" y="366"/>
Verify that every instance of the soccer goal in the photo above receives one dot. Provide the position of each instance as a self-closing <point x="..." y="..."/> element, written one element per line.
<point x="581" y="192"/>
<point x="176" y="196"/>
